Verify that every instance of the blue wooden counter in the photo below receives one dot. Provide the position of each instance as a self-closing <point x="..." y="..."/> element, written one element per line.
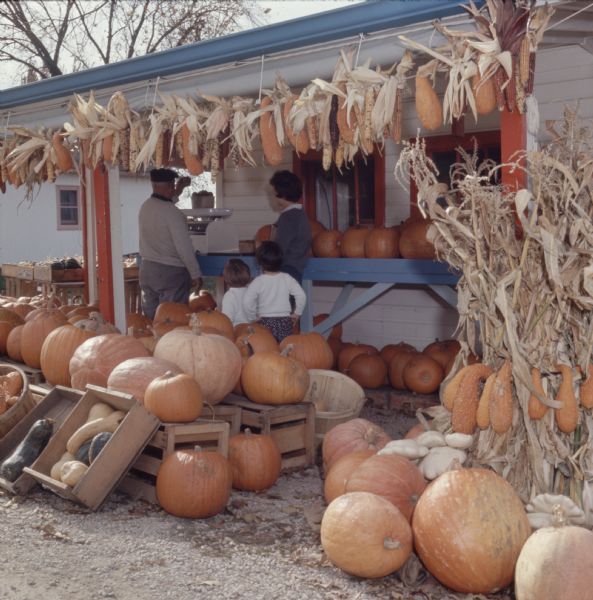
<point x="382" y="273"/>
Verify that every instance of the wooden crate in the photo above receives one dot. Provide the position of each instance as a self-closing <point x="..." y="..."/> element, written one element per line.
<point x="18" y="271"/>
<point x="291" y="425"/>
<point x="224" y="412"/>
<point x="34" y="376"/>
<point x="44" y="273"/>
<point x="140" y="481"/>
<point x="401" y="401"/>
<point x="55" y="404"/>
<point x="114" y="460"/>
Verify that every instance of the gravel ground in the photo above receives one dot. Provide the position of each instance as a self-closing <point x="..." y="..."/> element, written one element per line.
<point x="263" y="546"/>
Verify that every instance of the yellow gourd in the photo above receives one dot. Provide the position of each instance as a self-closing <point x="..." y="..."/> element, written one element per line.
<point x="72" y="472"/>
<point x="92" y="428"/>
<point x="56" y="470"/>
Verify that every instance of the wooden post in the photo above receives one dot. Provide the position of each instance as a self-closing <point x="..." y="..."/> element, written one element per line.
<point x="103" y="228"/>
<point x="513" y="138"/>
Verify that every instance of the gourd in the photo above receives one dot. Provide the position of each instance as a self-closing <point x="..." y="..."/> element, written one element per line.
<point x="56" y="470"/>
<point x="431" y="439"/>
<point x="409" y="448"/>
<point x="98" y="443"/>
<point x="28" y="450"/>
<point x="552" y="510"/>
<point x="72" y="472"/>
<point x="461" y="441"/>
<point x="99" y="410"/>
<point x="439" y="460"/>
<point x="91" y="428"/>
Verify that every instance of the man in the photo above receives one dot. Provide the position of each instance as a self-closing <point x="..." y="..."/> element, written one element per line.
<point x="169" y="268"/>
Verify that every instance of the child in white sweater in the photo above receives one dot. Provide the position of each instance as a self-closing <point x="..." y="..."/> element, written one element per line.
<point x="236" y="275"/>
<point x="267" y="299"/>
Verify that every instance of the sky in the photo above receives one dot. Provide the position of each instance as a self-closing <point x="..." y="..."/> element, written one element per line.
<point x="276" y="11"/>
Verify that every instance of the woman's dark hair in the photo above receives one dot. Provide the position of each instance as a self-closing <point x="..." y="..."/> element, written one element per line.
<point x="269" y="256"/>
<point x="287" y="186"/>
<point x="236" y="273"/>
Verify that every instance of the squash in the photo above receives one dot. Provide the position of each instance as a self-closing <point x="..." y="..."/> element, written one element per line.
<point x="56" y="470"/>
<point x="72" y="472"/>
<point x="28" y="450"/>
<point x="99" y="410"/>
<point x="82" y="454"/>
<point x="439" y="460"/>
<point x="409" y="448"/>
<point x="92" y="428"/>
<point x="98" y="443"/>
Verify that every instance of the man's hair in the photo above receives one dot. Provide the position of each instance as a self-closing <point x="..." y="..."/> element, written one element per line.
<point x="269" y="256"/>
<point x="236" y="273"/>
<point x="163" y="175"/>
<point x="287" y="186"/>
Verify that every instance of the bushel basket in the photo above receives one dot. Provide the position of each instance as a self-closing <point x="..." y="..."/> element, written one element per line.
<point x="23" y="405"/>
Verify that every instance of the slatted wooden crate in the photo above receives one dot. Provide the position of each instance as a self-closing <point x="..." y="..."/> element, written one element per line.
<point x="34" y="376"/>
<point x="224" y="412"/>
<point x="291" y="425"/>
<point x="140" y="480"/>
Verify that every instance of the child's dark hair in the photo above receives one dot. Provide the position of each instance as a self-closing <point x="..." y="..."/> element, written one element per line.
<point x="236" y="273"/>
<point x="269" y="256"/>
<point x="287" y="186"/>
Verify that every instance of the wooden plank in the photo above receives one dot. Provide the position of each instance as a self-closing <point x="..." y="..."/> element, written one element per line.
<point x="290" y="438"/>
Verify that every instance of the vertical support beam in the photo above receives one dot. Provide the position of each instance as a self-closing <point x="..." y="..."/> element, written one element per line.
<point x="103" y="224"/>
<point x="120" y="307"/>
<point x="90" y="239"/>
<point x="513" y="138"/>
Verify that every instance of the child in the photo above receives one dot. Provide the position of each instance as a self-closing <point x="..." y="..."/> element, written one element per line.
<point x="267" y="297"/>
<point x="236" y="277"/>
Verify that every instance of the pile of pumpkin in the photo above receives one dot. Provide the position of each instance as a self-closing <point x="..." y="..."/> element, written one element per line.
<point x="468" y="526"/>
<point x="11" y="385"/>
<point x="407" y="240"/>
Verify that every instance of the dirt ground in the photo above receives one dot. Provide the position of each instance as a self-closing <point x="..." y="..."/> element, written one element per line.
<point x="263" y="546"/>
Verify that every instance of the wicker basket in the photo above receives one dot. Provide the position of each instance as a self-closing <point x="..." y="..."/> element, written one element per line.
<point x="24" y="404"/>
<point x="337" y="399"/>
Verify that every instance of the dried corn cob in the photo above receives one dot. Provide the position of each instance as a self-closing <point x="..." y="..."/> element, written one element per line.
<point x="524" y="56"/>
<point x="178" y="142"/>
<point x="396" y="123"/>
<point x="529" y="89"/>
<point x="346" y="126"/>
<point x="519" y="93"/>
<point x="367" y="135"/>
<point x="235" y="156"/>
<point x="339" y="157"/>
<point x="134" y="145"/>
<point x="312" y="131"/>
<point x="50" y="169"/>
<point x="498" y="83"/>
<point x="267" y="132"/>
<point x="159" y="151"/>
<point x="214" y="158"/>
<point x="334" y="130"/>
<point x="124" y="149"/>
<point x="326" y="159"/>
<point x="191" y="161"/>
<point x="206" y="155"/>
<point x="509" y="90"/>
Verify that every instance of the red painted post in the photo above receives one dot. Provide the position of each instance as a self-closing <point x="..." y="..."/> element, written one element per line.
<point x="513" y="138"/>
<point x="85" y="224"/>
<point x="104" y="258"/>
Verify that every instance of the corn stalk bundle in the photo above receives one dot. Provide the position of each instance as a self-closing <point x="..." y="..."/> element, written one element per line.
<point x="530" y="296"/>
<point x="86" y="114"/>
<point x="217" y="127"/>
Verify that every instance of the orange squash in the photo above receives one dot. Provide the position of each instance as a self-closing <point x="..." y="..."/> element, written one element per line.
<point x="327" y="244"/>
<point x="174" y="398"/>
<point x="310" y="348"/>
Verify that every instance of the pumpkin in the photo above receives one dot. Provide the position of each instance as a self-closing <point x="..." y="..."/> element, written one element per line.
<point x="316" y="227"/>
<point x="174" y="398"/>
<point x="368" y="370"/>
<point x="84" y="311"/>
<point x="263" y="234"/>
<point x="390" y="350"/>
<point x="21" y="309"/>
<point x="397" y="366"/>
<point x="336" y="331"/>
<point x="10" y="316"/>
<point x="413" y="242"/>
<point x="382" y="242"/>
<point x="442" y="351"/>
<point x="469" y="527"/>
<point x="255" y="461"/>
<point x="5" y="328"/>
<point x="422" y="374"/>
<point x="97" y="324"/>
<point x="194" y="484"/>
<point x="392" y="476"/>
<point x="170" y="315"/>
<point x="556" y="563"/>
<point x="336" y="347"/>
<point x="256" y="340"/>
<point x="203" y="300"/>
<point x="365" y="535"/>
<point x="94" y="359"/>
<point x="133" y="375"/>
<point x="57" y="350"/>
<point x="243" y="328"/>
<point x="351" y="436"/>
<point x="353" y="240"/>
<point x="138" y="322"/>
<point x="327" y="244"/>
<point x="349" y="351"/>
<point x="310" y="348"/>
<point x="13" y="343"/>
<point x="286" y="379"/>
<point x="212" y="360"/>
<point x="217" y="320"/>
<point x="335" y="481"/>
<point x="35" y="332"/>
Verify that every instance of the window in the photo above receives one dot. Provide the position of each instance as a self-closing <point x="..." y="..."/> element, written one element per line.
<point x="68" y="207"/>
<point x="340" y="200"/>
<point x="444" y="152"/>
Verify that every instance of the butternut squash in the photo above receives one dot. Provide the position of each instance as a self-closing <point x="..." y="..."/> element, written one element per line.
<point x="98" y="411"/>
<point x="56" y="470"/>
<point x="485" y="94"/>
<point x="501" y="400"/>
<point x="63" y="155"/>
<point x="483" y="412"/>
<point x="567" y="417"/>
<point x="72" y="472"/>
<point x="465" y="405"/>
<point x="92" y="428"/>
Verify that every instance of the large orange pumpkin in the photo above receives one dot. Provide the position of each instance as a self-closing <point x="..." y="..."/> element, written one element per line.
<point x="469" y="527"/>
<point x="316" y="227"/>
<point x="413" y="242"/>
<point x="442" y="351"/>
<point x="390" y="350"/>
<point x="353" y="240"/>
<point x="170" y="315"/>
<point x="255" y="460"/>
<point x="6" y="314"/>
<point x="96" y="323"/>
<point x="396" y="368"/>
<point x="174" y="398"/>
<point x="286" y="379"/>
<point x="327" y="244"/>
<point x="351" y="436"/>
<point x="382" y="242"/>
<point x="212" y="360"/>
<point x="335" y="481"/>
<point x="35" y="332"/>
<point x="5" y="328"/>
<point x="57" y="350"/>
<point x="365" y="535"/>
<point x="13" y="343"/>
<point x="556" y="563"/>
<point x="310" y="348"/>
<point x="422" y="374"/>
<point x="93" y="360"/>
<point x="243" y="328"/>
<point x="263" y="234"/>
<point x="203" y="300"/>
<point x="368" y="370"/>
<point x="349" y="351"/>
<point x="217" y="320"/>
<point x="194" y="484"/>
<point x="256" y="340"/>
<point x="138" y="322"/>
<point x="392" y="476"/>
<point x="133" y="375"/>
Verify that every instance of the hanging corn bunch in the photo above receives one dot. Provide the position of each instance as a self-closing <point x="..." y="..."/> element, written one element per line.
<point x="243" y="130"/>
<point x="86" y="116"/>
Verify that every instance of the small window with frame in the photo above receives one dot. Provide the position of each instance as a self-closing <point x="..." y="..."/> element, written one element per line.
<point x="68" y="207"/>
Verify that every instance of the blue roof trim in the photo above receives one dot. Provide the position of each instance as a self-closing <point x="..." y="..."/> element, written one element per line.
<point x="315" y="29"/>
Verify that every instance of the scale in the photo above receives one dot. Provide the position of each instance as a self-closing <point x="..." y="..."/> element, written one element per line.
<point x="210" y="231"/>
